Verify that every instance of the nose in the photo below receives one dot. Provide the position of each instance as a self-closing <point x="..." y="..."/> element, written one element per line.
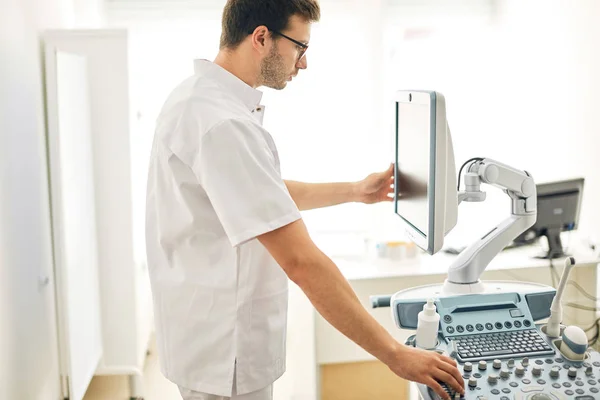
<point x="302" y="63"/>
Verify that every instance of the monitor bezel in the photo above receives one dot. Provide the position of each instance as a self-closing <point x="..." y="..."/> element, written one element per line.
<point x="425" y="240"/>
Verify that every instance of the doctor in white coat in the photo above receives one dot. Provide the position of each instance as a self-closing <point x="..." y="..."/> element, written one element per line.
<point x="224" y="231"/>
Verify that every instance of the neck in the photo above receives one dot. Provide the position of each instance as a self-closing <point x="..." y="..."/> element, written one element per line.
<point x="237" y="64"/>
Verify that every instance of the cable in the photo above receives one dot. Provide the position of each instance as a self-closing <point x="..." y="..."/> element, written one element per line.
<point x="582" y="290"/>
<point x="580" y="307"/>
<point x="461" y="168"/>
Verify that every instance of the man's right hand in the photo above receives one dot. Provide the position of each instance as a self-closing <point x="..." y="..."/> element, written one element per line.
<point x="427" y="367"/>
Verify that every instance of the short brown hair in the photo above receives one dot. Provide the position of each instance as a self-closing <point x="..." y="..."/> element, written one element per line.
<point x="242" y="17"/>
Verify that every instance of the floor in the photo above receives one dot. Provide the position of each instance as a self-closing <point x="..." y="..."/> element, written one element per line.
<point x="156" y="386"/>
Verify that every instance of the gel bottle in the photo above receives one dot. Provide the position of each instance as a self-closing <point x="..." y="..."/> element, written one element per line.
<point x="427" y="326"/>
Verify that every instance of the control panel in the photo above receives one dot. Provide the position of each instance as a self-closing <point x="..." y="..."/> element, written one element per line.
<point x="503" y="355"/>
<point x="526" y="378"/>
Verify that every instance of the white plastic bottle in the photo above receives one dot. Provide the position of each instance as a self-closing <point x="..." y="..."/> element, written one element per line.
<point x="427" y="326"/>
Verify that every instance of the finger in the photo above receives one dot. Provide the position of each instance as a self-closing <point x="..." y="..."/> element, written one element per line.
<point x="450" y="379"/>
<point x="452" y="370"/>
<point x="437" y="388"/>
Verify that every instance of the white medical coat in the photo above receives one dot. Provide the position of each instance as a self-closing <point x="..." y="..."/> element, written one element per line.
<point x="214" y="185"/>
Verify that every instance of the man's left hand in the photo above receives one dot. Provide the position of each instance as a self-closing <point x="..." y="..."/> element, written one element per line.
<point x="377" y="187"/>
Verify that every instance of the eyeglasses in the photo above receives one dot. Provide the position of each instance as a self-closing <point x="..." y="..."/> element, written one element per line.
<point x="303" y="47"/>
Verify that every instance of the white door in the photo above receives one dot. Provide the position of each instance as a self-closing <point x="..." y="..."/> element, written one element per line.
<point x="73" y="219"/>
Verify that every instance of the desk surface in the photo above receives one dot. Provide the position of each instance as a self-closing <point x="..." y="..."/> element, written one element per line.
<point x="362" y="268"/>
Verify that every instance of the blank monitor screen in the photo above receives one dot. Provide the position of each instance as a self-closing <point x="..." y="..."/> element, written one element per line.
<point x="413" y="131"/>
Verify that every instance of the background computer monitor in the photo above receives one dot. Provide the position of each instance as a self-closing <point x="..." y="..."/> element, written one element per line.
<point x="425" y="190"/>
<point x="558" y="208"/>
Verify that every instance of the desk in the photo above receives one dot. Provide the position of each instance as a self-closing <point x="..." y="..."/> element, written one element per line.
<point x="313" y="342"/>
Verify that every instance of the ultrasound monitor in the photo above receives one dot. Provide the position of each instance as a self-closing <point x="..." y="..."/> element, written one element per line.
<point x="426" y="184"/>
<point x="558" y="208"/>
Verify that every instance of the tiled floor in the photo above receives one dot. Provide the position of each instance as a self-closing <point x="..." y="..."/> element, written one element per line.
<point x="116" y="387"/>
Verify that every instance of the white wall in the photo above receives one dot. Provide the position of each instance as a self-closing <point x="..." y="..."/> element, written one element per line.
<point x="28" y="345"/>
<point x="555" y="55"/>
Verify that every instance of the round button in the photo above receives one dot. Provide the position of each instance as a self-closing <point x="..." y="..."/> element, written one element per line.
<point x="447" y="319"/>
<point x="489" y="326"/>
<point x="541" y="381"/>
<point x="526" y="381"/>
<point x="596" y="364"/>
<point x="539" y="362"/>
<point x="460" y="329"/>
<point x="579" y="391"/>
<point x="594" y="390"/>
<point x="477" y="375"/>
<point x="559" y="360"/>
<point x="468" y="367"/>
<point x="482" y="365"/>
<point x="470" y="328"/>
<point x="495" y="391"/>
<point x="479" y="327"/>
<point x="549" y="361"/>
<point x="508" y="325"/>
<point x="518" y="324"/>
<point x="556" y="385"/>
<point x="527" y="323"/>
<point x="498" y="325"/>
<point x="567" y="384"/>
<point x="513" y="384"/>
<point x="497" y="364"/>
<point x="506" y="390"/>
<point x="450" y="329"/>
<point x="569" y="392"/>
<point x="592" y="382"/>
<point x="579" y="383"/>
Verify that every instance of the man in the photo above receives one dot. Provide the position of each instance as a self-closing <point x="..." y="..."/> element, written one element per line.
<point x="224" y="231"/>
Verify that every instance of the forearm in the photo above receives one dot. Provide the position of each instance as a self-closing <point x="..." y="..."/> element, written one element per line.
<point x="335" y="300"/>
<point x="308" y="196"/>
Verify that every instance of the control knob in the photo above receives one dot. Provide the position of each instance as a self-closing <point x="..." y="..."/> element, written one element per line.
<point x="520" y="370"/>
<point x="511" y="363"/>
<point x="554" y="372"/>
<point x="482" y="365"/>
<point x="504" y="374"/>
<point x="572" y="372"/>
<point x="537" y="371"/>
<point x="472" y="382"/>
<point x="589" y="371"/>
<point x="468" y="367"/>
<point x="525" y="361"/>
<point x="497" y="364"/>
<point x="493" y="378"/>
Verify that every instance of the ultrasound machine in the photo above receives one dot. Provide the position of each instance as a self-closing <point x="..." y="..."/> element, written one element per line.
<point x="491" y="328"/>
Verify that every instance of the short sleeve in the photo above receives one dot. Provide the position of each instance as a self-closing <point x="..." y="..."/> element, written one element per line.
<point x="237" y="169"/>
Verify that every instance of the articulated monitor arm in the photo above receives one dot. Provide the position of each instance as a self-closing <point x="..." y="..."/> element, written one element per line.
<point x="520" y="187"/>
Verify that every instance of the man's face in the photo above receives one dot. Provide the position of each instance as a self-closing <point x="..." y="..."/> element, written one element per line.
<point x="283" y="63"/>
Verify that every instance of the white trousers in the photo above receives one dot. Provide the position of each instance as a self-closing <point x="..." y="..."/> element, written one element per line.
<point x="263" y="394"/>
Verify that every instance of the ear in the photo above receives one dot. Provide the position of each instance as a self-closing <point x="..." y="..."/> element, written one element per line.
<point x="261" y="39"/>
